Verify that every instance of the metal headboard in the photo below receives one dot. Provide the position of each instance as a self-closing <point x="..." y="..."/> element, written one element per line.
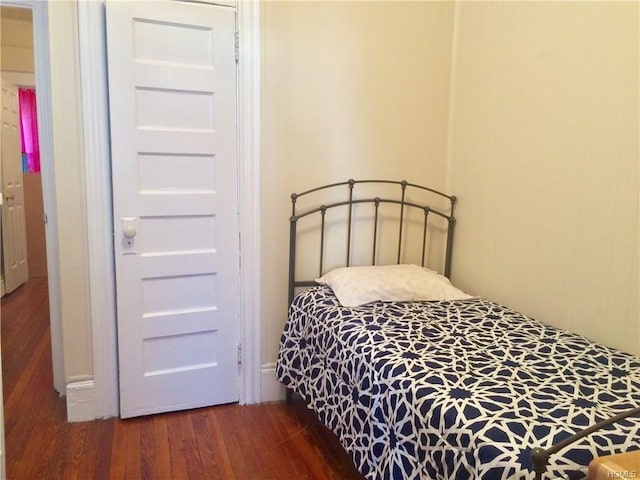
<point x="403" y="203"/>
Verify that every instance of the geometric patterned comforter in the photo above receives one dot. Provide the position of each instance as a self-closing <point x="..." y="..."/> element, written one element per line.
<point x="454" y="389"/>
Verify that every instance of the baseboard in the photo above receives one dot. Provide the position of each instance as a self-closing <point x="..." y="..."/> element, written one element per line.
<point x="81" y="401"/>
<point x="271" y="390"/>
<point x="81" y="396"/>
<point x="3" y="289"/>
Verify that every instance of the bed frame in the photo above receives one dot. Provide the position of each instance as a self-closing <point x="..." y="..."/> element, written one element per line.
<point x="348" y="200"/>
<point x="539" y="456"/>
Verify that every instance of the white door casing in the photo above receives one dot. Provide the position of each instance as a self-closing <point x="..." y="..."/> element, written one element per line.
<point x="3" y="456"/>
<point x="14" y="232"/>
<point x="172" y="86"/>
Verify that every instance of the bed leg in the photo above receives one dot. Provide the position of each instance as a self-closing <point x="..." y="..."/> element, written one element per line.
<point x="288" y="396"/>
<point x="540" y="460"/>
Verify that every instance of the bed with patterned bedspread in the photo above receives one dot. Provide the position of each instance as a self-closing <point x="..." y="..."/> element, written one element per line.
<point x="460" y="389"/>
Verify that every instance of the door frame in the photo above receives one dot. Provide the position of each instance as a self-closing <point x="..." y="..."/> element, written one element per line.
<point x="102" y="392"/>
<point x="45" y="139"/>
<point x="93" y="72"/>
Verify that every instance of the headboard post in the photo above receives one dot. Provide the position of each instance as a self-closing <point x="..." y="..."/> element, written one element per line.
<point x="403" y="184"/>
<point x="424" y="234"/>
<point x="447" y="261"/>
<point x="293" y="222"/>
<point x="351" y="183"/>
<point x="452" y="224"/>
<point x="376" y="202"/>
<point x="323" y="212"/>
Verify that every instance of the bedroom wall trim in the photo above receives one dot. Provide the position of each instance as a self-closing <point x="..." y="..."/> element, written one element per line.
<point x="95" y="116"/>
<point x="271" y="389"/>
<point x="248" y="18"/>
<point x="81" y="401"/>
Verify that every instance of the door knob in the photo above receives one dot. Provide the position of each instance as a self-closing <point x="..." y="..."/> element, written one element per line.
<point x="128" y="226"/>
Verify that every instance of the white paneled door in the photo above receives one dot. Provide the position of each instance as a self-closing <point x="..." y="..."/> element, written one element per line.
<point x="172" y="95"/>
<point x="14" y="231"/>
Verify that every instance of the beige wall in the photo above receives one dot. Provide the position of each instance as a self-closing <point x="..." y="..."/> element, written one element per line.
<point x="544" y="158"/>
<point x="545" y="110"/>
<point x="349" y="90"/>
<point x="16" y="39"/>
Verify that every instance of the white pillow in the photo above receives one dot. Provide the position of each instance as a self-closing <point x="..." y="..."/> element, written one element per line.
<point x="356" y="286"/>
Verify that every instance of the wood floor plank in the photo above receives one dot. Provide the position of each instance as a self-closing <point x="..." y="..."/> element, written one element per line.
<point x="25" y="429"/>
<point x="219" y="456"/>
<point x="20" y="395"/>
<point x="244" y="460"/>
<point x="177" y="437"/>
<point x="149" y="450"/>
<point x="190" y="448"/>
<point x="271" y="449"/>
<point x="99" y="441"/>
<point x="134" y="449"/>
<point x="76" y="452"/>
<point x="118" y="463"/>
<point x="162" y="451"/>
<point x="38" y="433"/>
<point x="290" y="431"/>
<point x="234" y="442"/>
<point x="46" y="455"/>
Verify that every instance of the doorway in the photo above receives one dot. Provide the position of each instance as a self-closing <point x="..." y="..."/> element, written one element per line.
<point x="23" y="245"/>
<point x="24" y="202"/>
<point x="92" y="33"/>
<point x="18" y="69"/>
<point x="18" y="72"/>
<point x="62" y="27"/>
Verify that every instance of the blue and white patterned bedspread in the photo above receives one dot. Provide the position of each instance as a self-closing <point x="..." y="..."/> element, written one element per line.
<point x="454" y="390"/>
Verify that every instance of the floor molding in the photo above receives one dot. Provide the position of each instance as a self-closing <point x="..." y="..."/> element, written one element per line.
<point x="271" y="390"/>
<point x="81" y="401"/>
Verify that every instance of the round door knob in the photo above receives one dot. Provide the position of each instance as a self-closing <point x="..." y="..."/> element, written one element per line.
<point x="129" y="226"/>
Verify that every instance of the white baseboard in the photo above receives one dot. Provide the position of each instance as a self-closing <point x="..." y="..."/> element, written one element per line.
<point x="81" y="401"/>
<point x="3" y="290"/>
<point x="271" y="390"/>
<point x="81" y="396"/>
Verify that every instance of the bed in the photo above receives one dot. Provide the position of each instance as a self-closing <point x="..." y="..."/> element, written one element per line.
<point x="420" y="380"/>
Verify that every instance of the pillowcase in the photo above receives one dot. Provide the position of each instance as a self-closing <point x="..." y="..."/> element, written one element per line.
<point x="355" y="286"/>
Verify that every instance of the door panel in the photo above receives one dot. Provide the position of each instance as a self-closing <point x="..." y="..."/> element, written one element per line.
<point x="14" y="231"/>
<point x="173" y="126"/>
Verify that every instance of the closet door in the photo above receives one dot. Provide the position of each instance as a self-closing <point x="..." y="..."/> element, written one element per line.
<point x="172" y="89"/>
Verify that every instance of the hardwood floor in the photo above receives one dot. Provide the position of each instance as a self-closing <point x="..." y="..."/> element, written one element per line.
<point x="268" y="441"/>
